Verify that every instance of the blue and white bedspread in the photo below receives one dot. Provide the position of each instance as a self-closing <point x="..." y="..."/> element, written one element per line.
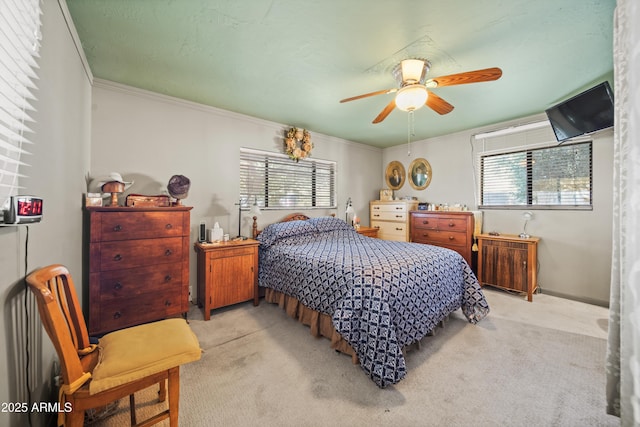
<point x="382" y="295"/>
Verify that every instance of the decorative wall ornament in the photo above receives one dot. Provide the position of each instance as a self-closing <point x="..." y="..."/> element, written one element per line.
<point x="298" y="143"/>
<point x="395" y="175"/>
<point x="420" y="174"/>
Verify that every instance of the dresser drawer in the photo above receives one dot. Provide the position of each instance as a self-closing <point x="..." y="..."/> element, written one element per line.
<point x="230" y="252"/>
<point x="138" y="253"/>
<point x="434" y="223"/>
<point x="440" y="238"/>
<point x="131" y="283"/>
<point x="139" y="225"/>
<point x="389" y="207"/>
<point x="391" y="231"/>
<point x="123" y="312"/>
<point x="398" y="216"/>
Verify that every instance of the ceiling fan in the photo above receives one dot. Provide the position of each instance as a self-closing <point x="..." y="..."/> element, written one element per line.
<point x="414" y="92"/>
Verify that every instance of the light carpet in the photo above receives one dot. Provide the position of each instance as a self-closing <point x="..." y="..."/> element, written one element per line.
<point x="526" y="364"/>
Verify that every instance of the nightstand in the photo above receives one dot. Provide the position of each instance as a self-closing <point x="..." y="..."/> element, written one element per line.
<point x="227" y="274"/>
<point x="368" y="231"/>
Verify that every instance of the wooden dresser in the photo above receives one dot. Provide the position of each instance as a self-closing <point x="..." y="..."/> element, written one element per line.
<point x="227" y="274"/>
<point x="453" y="230"/>
<point x="391" y="218"/>
<point x="138" y="265"/>
<point x="509" y="262"/>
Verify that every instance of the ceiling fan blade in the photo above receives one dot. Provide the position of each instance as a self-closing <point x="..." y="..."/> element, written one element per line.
<point x="384" y="113"/>
<point x="477" y="76"/>
<point x="366" y="95"/>
<point x="438" y="104"/>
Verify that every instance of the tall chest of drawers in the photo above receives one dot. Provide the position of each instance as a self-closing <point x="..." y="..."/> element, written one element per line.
<point x="391" y="218"/>
<point x="138" y="265"/>
<point x="453" y="230"/>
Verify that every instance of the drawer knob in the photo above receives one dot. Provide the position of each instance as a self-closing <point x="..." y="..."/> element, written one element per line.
<point x="425" y="234"/>
<point x="168" y="252"/>
<point x="167" y="278"/>
<point x="451" y="224"/>
<point x="399" y="229"/>
<point x="167" y="303"/>
<point x="117" y="286"/>
<point x="425" y="222"/>
<point x="117" y="227"/>
<point x="168" y="226"/>
<point x="118" y="257"/>
<point x="451" y="237"/>
<point x="117" y="315"/>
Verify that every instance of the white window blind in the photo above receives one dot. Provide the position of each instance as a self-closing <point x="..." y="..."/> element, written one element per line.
<point x="19" y="45"/>
<point x="277" y="182"/>
<point x="557" y="177"/>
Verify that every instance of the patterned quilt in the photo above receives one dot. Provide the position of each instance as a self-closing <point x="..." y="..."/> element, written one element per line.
<point x="381" y="295"/>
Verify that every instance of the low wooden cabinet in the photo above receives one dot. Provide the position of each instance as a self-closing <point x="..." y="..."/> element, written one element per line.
<point x="138" y="265"/>
<point x="227" y="274"/>
<point x="508" y="262"/>
<point x="452" y="230"/>
<point x="368" y="231"/>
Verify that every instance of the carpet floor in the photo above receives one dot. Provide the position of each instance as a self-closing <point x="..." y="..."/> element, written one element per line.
<point x="526" y="364"/>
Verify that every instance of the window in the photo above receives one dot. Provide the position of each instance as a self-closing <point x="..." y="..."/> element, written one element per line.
<point x="277" y="182"/>
<point x="19" y="44"/>
<point x="558" y="177"/>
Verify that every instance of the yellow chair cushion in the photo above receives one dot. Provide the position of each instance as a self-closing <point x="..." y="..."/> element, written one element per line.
<point x="130" y="354"/>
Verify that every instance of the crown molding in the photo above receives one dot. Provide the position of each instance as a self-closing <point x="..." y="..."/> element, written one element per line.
<point x="66" y="15"/>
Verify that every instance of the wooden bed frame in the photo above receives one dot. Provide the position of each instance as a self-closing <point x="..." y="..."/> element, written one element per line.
<point x="320" y="324"/>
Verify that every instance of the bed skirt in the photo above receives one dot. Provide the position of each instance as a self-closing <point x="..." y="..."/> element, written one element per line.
<point x="320" y="324"/>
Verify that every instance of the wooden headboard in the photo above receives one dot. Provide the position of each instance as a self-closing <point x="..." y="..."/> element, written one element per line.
<point x="294" y="217"/>
<point x="290" y="217"/>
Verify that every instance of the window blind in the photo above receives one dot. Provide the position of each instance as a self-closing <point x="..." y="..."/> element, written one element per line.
<point x="277" y="182"/>
<point x="558" y="177"/>
<point x="19" y="45"/>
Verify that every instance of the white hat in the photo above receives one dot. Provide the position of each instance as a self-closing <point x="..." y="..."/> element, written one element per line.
<point x="97" y="183"/>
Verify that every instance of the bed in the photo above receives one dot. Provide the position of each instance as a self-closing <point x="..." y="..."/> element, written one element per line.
<point x="371" y="297"/>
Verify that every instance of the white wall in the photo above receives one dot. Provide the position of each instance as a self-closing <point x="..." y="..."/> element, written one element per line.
<point x="574" y="253"/>
<point x="148" y="137"/>
<point x="59" y="164"/>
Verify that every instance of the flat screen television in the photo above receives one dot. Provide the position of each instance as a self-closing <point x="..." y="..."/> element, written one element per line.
<point x="587" y="112"/>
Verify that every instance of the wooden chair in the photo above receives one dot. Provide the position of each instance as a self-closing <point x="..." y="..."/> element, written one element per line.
<point x="122" y="363"/>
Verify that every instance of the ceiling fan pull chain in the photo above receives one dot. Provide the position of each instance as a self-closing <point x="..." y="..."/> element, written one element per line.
<point x="410" y="131"/>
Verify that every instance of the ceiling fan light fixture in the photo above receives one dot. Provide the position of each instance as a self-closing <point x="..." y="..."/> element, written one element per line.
<point x="413" y="70"/>
<point x="411" y="98"/>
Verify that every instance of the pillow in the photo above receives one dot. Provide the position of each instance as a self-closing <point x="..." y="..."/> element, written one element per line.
<point x="329" y="223"/>
<point x="274" y="232"/>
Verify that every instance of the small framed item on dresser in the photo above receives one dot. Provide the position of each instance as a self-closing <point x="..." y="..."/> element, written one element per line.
<point x="140" y="200"/>
<point x="386" y="194"/>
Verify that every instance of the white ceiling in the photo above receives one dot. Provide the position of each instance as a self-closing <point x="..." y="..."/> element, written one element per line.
<point x="291" y="61"/>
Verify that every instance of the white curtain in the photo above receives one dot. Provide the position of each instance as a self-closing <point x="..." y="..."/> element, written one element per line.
<point x="623" y="353"/>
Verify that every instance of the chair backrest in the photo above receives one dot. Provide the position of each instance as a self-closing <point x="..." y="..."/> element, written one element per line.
<point x="61" y="317"/>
